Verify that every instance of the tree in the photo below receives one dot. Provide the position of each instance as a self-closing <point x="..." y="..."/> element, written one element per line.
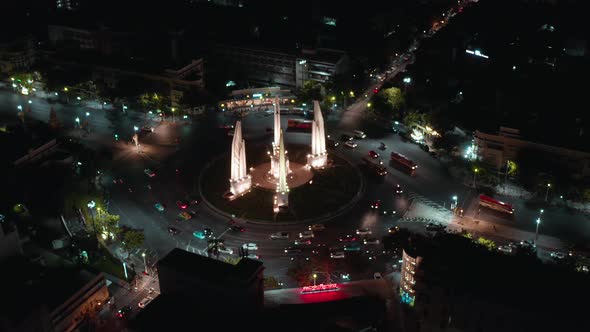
<point x="133" y="239"/>
<point x="312" y="91"/>
<point x="415" y="118"/>
<point x="232" y="260"/>
<point x="586" y="195"/>
<point x="489" y="244"/>
<point x="53" y="122"/>
<point x="387" y="102"/>
<point x="271" y="283"/>
<point x="107" y="223"/>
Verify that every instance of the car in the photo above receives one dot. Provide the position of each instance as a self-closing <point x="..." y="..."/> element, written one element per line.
<point x="337" y="255"/>
<point x="376" y="204"/>
<point x="331" y="143"/>
<point x="397" y="189"/>
<point x="316" y="227"/>
<point x="293" y="250"/>
<point x="230" y="132"/>
<point x="373" y="154"/>
<point x="363" y="231"/>
<point x="160" y="207"/>
<point x="306" y="235"/>
<point x="352" y="247"/>
<point x="173" y="231"/>
<point x="237" y="228"/>
<point x="557" y="255"/>
<point x="302" y="242"/>
<point x="149" y="172"/>
<point x="250" y="246"/>
<point x="280" y="235"/>
<point x="225" y="250"/>
<point x="123" y="312"/>
<point x="350" y="144"/>
<point x="393" y="230"/>
<point x="182" y="204"/>
<point x="345" y="137"/>
<point x="371" y="241"/>
<point x="252" y="256"/>
<point x="359" y="134"/>
<point x="145" y="301"/>
<point x="199" y="235"/>
<point x="377" y="276"/>
<point x="507" y="249"/>
<point x="347" y="238"/>
<point x="226" y="126"/>
<point x="184" y="216"/>
<point x="147" y="129"/>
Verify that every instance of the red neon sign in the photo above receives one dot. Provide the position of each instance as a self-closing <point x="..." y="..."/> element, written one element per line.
<point x="319" y="288"/>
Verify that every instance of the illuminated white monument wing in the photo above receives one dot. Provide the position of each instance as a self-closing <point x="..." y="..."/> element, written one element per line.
<point x="318" y="157"/>
<point x="274" y="156"/>
<point x="277" y="122"/>
<point x="281" y="200"/>
<point x="240" y="181"/>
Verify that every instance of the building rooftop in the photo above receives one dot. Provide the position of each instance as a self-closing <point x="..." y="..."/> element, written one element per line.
<point x="209" y="269"/>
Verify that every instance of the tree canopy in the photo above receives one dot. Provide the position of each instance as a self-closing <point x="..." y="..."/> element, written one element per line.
<point x="387" y="102"/>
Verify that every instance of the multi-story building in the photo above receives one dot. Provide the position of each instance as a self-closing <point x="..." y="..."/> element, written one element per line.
<point x="10" y="244"/>
<point x="410" y="266"/>
<point x="265" y="67"/>
<point x="43" y="299"/>
<point x="497" y="149"/>
<point x="17" y="55"/>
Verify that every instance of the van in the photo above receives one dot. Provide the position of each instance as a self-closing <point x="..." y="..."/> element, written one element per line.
<point x="359" y="134"/>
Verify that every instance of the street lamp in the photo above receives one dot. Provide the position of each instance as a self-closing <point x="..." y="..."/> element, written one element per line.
<point x="78" y="121"/>
<point x="538" y="221"/>
<point x="174" y="110"/>
<point x="144" y="263"/>
<point x="124" y="108"/>
<point x="547" y="191"/>
<point x="315" y="276"/>
<point x="454" y="204"/>
<point x="407" y="81"/>
<point x="135" y="128"/>
<point x="87" y="114"/>
<point x="91" y="206"/>
<point x="475" y="171"/>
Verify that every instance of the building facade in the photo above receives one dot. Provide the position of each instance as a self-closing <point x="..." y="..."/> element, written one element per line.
<point x="10" y="244"/>
<point x="410" y="266"/>
<point x="17" y="55"/>
<point x="497" y="149"/>
<point x="277" y="68"/>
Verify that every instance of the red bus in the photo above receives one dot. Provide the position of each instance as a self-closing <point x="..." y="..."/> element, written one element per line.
<point x="375" y="165"/>
<point x="304" y="125"/>
<point x="402" y="161"/>
<point x="487" y="201"/>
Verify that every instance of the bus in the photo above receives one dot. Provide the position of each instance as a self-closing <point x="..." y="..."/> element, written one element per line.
<point x="403" y="162"/>
<point x="375" y="165"/>
<point x="302" y="125"/>
<point x="487" y="201"/>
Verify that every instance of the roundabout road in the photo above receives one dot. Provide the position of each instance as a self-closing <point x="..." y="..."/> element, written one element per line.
<point x="177" y="176"/>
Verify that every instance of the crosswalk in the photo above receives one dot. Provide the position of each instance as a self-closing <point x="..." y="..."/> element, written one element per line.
<point x="425" y="210"/>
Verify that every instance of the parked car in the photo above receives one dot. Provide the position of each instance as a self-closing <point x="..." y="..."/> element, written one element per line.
<point x="331" y="143"/>
<point x="280" y="235"/>
<point x="182" y="204"/>
<point x="346" y="138"/>
<point x="352" y="247"/>
<point x="347" y="238"/>
<point x="376" y="204"/>
<point x="184" y="216"/>
<point x="160" y="207"/>
<point x="393" y="230"/>
<point x="225" y="250"/>
<point x="398" y="189"/>
<point x="145" y="301"/>
<point x="302" y="242"/>
<point x="173" y="231"/>
<point x="293" y="251"/>
<point x="432" y="226"/>
<point x="237" y="228"/>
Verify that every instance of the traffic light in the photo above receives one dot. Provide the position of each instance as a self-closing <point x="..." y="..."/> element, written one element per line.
<point x="116" y="137"/>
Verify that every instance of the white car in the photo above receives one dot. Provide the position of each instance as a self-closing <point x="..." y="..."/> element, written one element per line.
<point x="225" y="250"/>
<point x="316" y="227"/>
<point x="280" y="235"/>
<point x="363" y="231"/>
<point x="253" y="256"/>
<point x="250" y="246"/>
<point x="557" y="255"/>
<point x="337" y="255"/>
<point x="350" y="144"/>
<point x="507" y="249"/>
<point x="306" y="235"/>
<point x="377" y="276"/>
<point x="372" y="241"/>
<point x="145" y="302"/>
<point x="359" y="134"/>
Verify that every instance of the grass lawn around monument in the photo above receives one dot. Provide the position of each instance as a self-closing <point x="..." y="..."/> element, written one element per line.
<point x="329" y="190"/>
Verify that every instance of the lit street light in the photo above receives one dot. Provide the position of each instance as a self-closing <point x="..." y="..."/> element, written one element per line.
<point x="135" y="128"/>
<point x="78" y="121"/>
<point x="407" y="81"/>
<point x="454" y="203"/>
<point x="144" y="263"/>
<point x="538" y="221"/>
<point x="20" y="107"/>
<point x="315" y="276"/>
<point x="174" y="110"/>
<point x="547" y="191"/>
<point x="87" y="114"/>
<point x="475" y="171"/>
